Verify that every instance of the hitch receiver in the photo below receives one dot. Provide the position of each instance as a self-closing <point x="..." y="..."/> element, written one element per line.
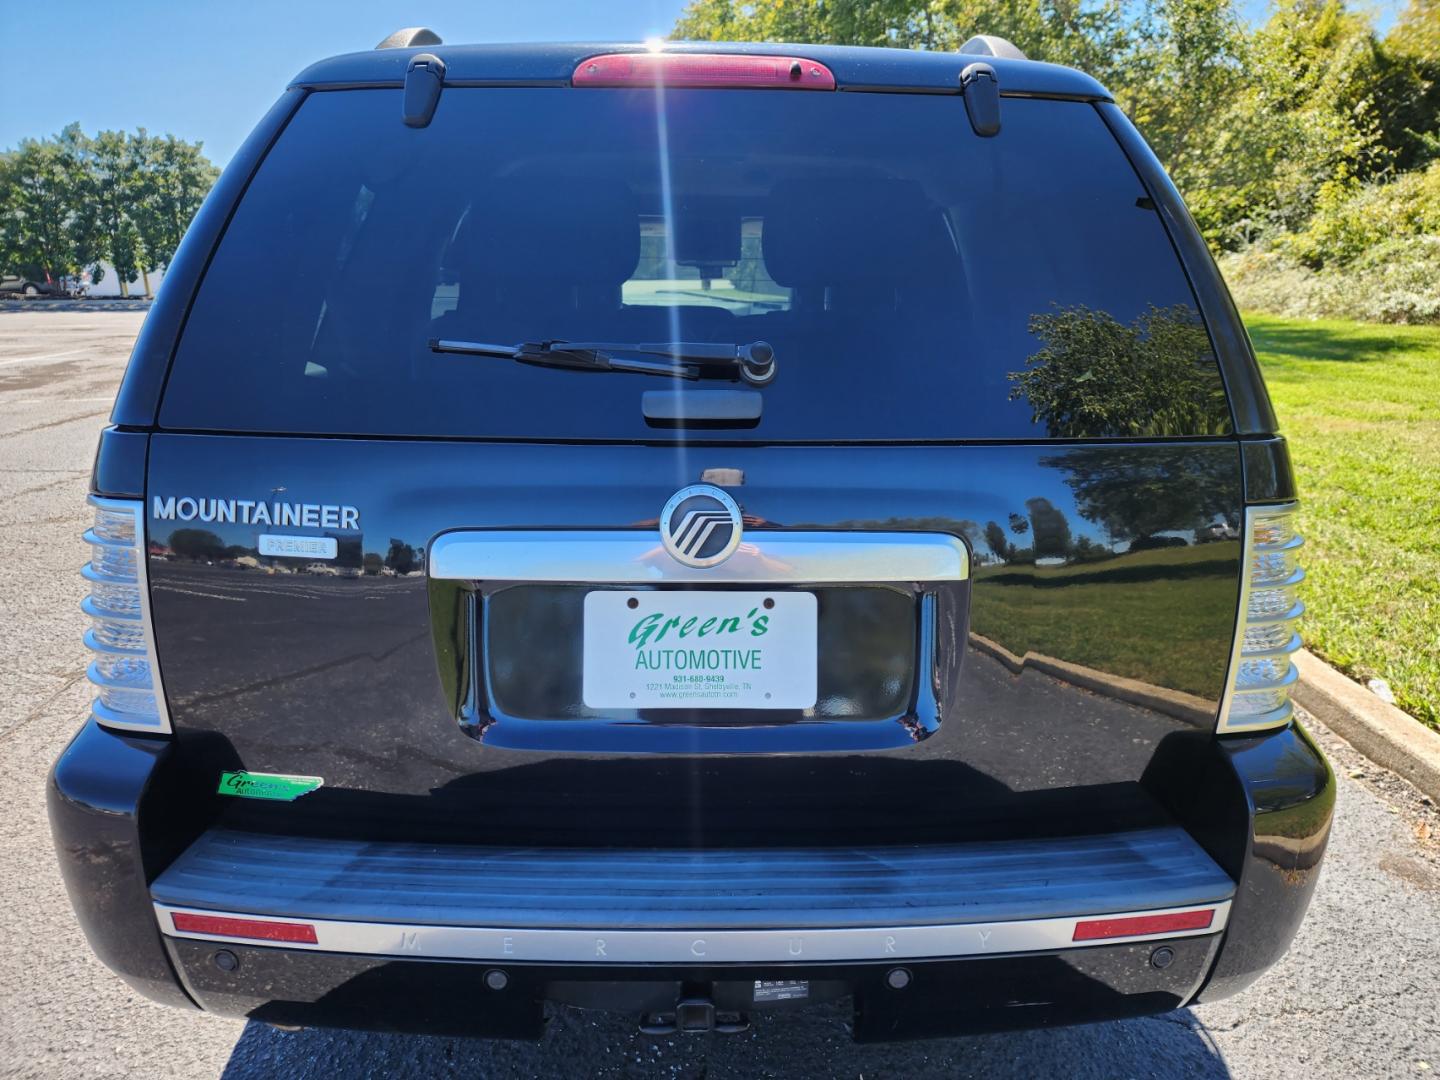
<point x="694" y="1016"/>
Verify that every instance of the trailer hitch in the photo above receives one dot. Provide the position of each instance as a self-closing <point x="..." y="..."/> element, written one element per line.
<point x="694" y="1016"/>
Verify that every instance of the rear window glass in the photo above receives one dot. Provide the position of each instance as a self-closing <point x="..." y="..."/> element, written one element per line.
<point x="916" y="281"/>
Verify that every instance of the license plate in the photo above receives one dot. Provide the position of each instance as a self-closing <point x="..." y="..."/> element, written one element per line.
<point x="699" y="650"/>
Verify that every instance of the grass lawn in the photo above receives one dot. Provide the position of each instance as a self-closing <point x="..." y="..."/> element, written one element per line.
<point x="1091" y="622"/>
<point x="1360" y="405"/>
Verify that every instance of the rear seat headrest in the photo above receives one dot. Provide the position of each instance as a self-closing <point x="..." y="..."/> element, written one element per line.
<point x="576" y="231"/>
<point x="854" y="231"/>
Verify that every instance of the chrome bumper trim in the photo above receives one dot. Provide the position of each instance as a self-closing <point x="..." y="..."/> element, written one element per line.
<point x="618" y="946"/>
<point x="636" y="557"/>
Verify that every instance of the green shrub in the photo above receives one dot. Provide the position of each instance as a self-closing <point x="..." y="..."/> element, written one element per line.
<point x="1395" y="281"/>
<point x="1350" y="220"/>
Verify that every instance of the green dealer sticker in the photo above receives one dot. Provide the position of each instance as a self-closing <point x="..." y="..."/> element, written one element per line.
<point x="259" y="785"/>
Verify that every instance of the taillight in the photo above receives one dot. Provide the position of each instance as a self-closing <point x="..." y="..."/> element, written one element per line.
<point x="1257" y="694"/>
<point x="124" y="670"/>
<point x="714" y="70"/>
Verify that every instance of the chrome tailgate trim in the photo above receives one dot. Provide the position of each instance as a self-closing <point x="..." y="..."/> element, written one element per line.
<point x="619" y="946"/>
<point x="636" y="557"/>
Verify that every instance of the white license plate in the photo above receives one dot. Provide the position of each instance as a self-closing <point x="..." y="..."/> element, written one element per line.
<point x="699" y="650"/>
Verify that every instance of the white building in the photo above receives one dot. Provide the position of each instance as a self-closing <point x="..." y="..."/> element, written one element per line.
<point x="109" y="284"/>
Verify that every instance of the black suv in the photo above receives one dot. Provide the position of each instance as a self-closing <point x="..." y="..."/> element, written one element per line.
<point x="690" y="532"/>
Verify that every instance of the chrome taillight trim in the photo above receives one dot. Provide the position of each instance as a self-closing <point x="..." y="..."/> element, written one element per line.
<point x="90" y="536"/>
<point x="1276" y="718"/>
<point x="89" y="573"/>
<point x="1289" y="616"/>
<point x="159" y="722"/>
<point x="95" y="645"/>
<point x="1294" y="645"/>
<point x="1288" y="582"/>
<point x="95" y="611"/>
<point x="1282" y="714"/>
<point x="1289" y="679"/>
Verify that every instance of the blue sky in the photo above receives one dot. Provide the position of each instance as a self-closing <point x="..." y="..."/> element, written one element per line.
<point x="208" y="69"/>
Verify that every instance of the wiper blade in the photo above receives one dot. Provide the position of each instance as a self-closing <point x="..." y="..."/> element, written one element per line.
<point x="681" y="360"/>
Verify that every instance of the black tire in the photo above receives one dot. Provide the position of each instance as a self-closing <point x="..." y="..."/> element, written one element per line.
<point x="31" y="292"/>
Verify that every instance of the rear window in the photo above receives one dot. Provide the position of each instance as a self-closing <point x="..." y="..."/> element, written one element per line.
<point x="916" y="281"/>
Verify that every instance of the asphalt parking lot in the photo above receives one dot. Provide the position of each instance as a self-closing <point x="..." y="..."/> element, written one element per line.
<point x="1357" y="996"/>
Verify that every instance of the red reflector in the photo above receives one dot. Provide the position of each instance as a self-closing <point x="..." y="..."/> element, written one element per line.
<point x="1140" y="925"/>
<point x="703" y="70"/>
<point x="223" y="926"/>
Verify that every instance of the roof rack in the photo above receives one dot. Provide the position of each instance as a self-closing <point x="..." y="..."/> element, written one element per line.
<point x="412" y="36"/>
<point x="990" y="45"/>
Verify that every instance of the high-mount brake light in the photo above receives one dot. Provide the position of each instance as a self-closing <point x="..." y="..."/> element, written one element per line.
<point x="703" y="70"/>
<point x="1257" y="690"/>
<point x="125" y="669"/>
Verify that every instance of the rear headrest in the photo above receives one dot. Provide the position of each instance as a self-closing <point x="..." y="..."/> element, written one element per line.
<point x="854" y="231"/>
<point x="576" y="231"/>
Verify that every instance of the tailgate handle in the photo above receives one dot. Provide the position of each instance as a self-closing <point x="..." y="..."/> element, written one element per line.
<point x="702" y="408"/>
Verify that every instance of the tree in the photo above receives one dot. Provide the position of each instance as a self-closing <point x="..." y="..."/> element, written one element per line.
<point x="1135" y="494"/>
<point x="1181" y="74"/>
<point x="1087" y="550"/>
<point x="1408" y="97"/>
<point x="1096" y="377"/>
<point x="400" y="557"/>
<point x="1049" y="527"/>
<point x="1417" y="31"/>
<point x="41" y="183"/>
<point x="170" y="180"/>
<point x="70" y="201"/>
<point x="1252" y="125"/>
<point x="197" y="544"/>
<point x="997" y="541"/>
<point x="112" y="189"/>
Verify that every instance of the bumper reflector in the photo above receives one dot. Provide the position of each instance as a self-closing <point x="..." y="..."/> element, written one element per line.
<point x="1142" y="925"/>
<point x="259" y="929"/>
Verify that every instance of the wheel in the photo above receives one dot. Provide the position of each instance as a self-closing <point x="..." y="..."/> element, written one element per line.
<point x="31" y="292"/>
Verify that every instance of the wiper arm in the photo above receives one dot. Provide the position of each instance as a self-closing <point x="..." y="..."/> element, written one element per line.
<point x="755" y="362"/>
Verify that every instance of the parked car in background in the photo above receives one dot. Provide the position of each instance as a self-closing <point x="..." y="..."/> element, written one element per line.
<point x="14" y="285"/>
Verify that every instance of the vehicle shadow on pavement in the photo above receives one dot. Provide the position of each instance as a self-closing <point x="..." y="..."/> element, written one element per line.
<point x="134" y="304"/>
<point x="814" y="1042"/>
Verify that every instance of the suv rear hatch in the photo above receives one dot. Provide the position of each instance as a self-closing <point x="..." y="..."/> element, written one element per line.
<point x="986" y="350"/>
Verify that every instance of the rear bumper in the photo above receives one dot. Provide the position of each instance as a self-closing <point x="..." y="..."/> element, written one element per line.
<point x="992" y="935"/>
<point x="943" y="997"/>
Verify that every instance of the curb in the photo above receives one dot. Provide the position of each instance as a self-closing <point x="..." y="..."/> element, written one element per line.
<point x="1187" y="707"/>
<point x="1377" y="729"/>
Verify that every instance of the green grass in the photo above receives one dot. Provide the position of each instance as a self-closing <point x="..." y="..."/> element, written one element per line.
<point x="1085" y="619"/>
<point x="1360" y="404"/>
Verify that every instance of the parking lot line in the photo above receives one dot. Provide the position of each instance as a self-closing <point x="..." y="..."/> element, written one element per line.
<point x="41" y="356"/>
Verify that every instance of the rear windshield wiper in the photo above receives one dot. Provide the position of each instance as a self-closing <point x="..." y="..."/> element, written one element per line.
<point x="680" y="360"/>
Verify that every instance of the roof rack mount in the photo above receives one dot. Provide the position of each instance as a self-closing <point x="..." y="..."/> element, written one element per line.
<point x="990" y="45"/>
<point x="411" y="37"/>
